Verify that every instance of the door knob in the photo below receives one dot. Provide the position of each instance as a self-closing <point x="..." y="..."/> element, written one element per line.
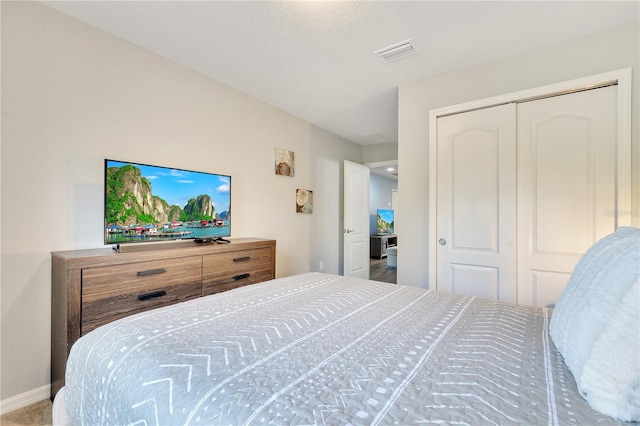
<point x="442" y="241"/>
<point x="348" y="231"/>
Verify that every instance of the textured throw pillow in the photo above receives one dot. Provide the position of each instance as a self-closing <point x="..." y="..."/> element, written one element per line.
<point x="610" y="379"/>
<point x="596" y="327"/>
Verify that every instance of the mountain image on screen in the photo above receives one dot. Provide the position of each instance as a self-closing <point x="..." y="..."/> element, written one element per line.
<point x="385" y="221"/>
<point x="134" y="212"/>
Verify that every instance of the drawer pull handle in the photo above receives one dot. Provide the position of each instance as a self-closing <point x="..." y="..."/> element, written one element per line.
<point x="151" y="272"/>
<point x="242" y="259"/>
<point x="152" y="295"/>
<point x="241" y="277"/>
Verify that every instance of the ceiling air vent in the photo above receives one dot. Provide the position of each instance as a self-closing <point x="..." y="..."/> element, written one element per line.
<point x="396" y="51"/>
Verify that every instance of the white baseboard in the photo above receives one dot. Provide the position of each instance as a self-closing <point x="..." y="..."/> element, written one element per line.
<point x="31" y="397"/>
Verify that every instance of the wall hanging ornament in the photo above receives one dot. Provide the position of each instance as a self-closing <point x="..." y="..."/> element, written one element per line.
<point x="304" y="201"/>
<point x="285" y="162"/>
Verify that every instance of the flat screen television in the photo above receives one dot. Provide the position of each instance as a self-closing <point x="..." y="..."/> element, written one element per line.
<point x="145" y="203"/>
<point x="385" y="220"/>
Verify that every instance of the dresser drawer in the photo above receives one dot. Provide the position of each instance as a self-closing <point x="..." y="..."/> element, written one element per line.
<point x="234" y="269"/>
<point x="112" y="292"/>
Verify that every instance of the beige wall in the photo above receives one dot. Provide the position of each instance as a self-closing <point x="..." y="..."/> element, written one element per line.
<point x="72" y="96"/>
<point x="596" y="53"/>
<point x="379" y="152"/>
<point x="327" y="174"/>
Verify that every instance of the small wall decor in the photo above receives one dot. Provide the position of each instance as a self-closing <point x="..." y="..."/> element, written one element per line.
<point x="304" y="201"/>
<point x="285" y="162"/>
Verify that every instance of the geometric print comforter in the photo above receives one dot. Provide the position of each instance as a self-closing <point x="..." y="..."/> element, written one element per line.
<point x="325" y="350"/>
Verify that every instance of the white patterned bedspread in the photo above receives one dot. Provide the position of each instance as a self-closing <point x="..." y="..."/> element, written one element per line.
<point x="324" y="349"/>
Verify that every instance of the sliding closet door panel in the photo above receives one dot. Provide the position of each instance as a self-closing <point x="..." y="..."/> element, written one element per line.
<point x="476" y="214"/>
<point x="474" y="189"/>
<point x="480" y="281"/>
<point x="566" y="186"/>
<point x="546" y="287"/>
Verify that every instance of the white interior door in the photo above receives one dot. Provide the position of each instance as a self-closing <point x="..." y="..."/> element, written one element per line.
<point x="476" y="203"/>
<point x="356" y="220"/>
<point x="566" y="186"/>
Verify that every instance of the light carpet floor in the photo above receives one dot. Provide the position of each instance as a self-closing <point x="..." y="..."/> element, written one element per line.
<point x="38" y="414"/>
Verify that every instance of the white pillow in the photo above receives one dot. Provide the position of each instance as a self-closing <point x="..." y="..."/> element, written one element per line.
<point x="596" y="329"/>
<point x="610" y="379"/>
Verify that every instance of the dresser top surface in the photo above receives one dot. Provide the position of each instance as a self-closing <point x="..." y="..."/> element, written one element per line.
<point x="142" y="252"/>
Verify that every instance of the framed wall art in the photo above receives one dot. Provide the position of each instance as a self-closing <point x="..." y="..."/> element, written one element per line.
<point x="285" y="162"/>
<point x="304" y="201"/>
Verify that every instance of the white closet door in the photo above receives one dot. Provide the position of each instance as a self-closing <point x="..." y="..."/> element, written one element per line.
<point x="476" y="203"/>
<point x="566" y="187"/>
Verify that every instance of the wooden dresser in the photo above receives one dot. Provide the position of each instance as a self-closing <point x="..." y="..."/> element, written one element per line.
<point x="90" y="288"/>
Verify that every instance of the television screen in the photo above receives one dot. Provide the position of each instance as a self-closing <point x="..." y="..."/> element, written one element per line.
<point x="153" y="203"/>
<point x="385" y="221"/>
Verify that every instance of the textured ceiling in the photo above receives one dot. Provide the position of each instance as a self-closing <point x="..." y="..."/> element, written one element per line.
<point x="316" y="60"/>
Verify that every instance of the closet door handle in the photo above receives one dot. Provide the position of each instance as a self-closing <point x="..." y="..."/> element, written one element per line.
<point x="442" y="242"/>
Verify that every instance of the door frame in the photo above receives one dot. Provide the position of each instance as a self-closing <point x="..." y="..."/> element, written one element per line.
<point x="620" y="77"/>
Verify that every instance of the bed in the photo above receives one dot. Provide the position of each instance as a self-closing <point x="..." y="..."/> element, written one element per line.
<point x="329" y="350"/>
